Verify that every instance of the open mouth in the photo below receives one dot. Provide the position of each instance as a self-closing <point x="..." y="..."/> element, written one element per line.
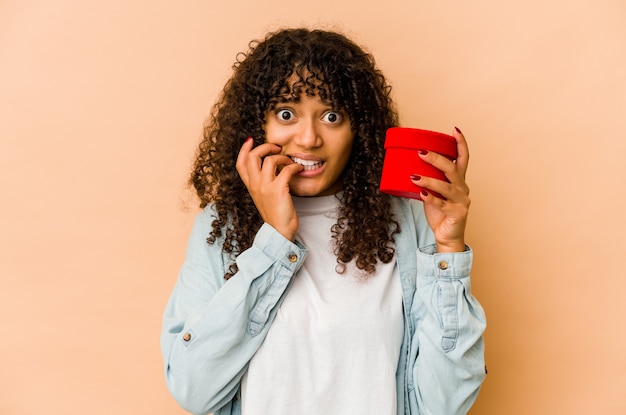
<point x="308" y="164"/>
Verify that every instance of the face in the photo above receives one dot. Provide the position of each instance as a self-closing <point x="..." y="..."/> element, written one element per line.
<point x="316" y="136"/>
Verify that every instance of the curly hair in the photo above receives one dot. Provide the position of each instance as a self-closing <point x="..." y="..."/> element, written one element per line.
<point x="334" y="68"/>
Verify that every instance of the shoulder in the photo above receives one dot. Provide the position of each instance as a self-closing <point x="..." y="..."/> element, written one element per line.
<point x="202" y="226"/>
<point x="407" y="209"/>
<point x="203" y="221"/>
<point x="207" y="214"/>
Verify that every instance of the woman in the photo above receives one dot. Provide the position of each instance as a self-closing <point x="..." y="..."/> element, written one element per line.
<point x="305" y="290"/>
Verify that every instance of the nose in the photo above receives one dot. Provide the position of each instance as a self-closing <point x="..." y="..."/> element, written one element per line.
<point x="308" y="134"/>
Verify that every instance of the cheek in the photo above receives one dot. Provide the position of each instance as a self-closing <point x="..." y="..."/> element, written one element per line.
<point x="276" y="136"/>
<point x="346" y="151"/>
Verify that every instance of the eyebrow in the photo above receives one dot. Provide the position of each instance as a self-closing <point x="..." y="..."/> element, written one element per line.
<point x="283" y="100"/>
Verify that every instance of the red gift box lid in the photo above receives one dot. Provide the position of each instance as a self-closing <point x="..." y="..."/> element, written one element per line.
<point x="413" y="138"/>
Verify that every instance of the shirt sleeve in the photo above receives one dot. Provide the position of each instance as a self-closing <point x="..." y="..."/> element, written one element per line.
<point x="212" y="327"/>
<point x="449" y="367"/>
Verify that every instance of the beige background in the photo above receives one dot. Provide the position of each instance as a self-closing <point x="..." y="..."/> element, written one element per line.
<point x="101" y="106"/>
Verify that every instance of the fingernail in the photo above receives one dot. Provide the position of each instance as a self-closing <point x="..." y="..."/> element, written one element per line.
<point x="415" y="177"/>
<point x="424" y="193"/>
<point x="248" y="139"/>
<point x="457" y="130"/>
<point x="423" y="152"/>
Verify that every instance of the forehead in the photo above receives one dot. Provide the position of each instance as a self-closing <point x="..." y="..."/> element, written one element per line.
<point x="303" y="82"/>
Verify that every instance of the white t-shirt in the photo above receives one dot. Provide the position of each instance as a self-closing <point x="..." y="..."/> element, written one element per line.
<point x="334" y="345"/>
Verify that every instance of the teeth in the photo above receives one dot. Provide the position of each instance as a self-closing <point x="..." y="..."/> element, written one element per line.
<point x="308" y="164"/>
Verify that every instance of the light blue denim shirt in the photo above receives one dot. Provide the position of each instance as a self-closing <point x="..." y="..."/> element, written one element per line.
<point x="213" y="327"/>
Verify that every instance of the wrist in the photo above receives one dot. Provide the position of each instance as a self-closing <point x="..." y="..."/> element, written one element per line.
<point x="451" y="247"/>
<point x="287" y="233"/>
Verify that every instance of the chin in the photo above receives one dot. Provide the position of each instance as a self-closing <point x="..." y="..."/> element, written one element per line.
<point x="301" y="193"/>
<point x="306" y="191"/>
<point x="307" y="188"/>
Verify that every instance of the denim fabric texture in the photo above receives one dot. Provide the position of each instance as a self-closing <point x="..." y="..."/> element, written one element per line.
<point x="212" y="327"/>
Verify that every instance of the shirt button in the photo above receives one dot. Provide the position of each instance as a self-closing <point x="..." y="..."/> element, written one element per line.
<point x="293" y="257"/>
<point x="443" y="265"/>
<point x="187" y="337"/>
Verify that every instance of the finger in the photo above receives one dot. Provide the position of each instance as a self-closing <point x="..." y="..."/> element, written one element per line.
<point x="430" y="199"/>
<point x="241" y="163"/>
<point x="288" y="171"/>
<point x="272" y="164"/>
<point x="265" y="149"/>
<point x="447" y="166"/>
<point x="457" y="192"/>
<point x="456" y="210"/>
<point x="255" y="158"/>
<point x="431" y="185"/>
<point x="462" y="159"/>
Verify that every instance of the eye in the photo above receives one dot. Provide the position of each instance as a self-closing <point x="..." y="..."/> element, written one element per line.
<point x="332" y="117"/>
<point x="284" y="114"/>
